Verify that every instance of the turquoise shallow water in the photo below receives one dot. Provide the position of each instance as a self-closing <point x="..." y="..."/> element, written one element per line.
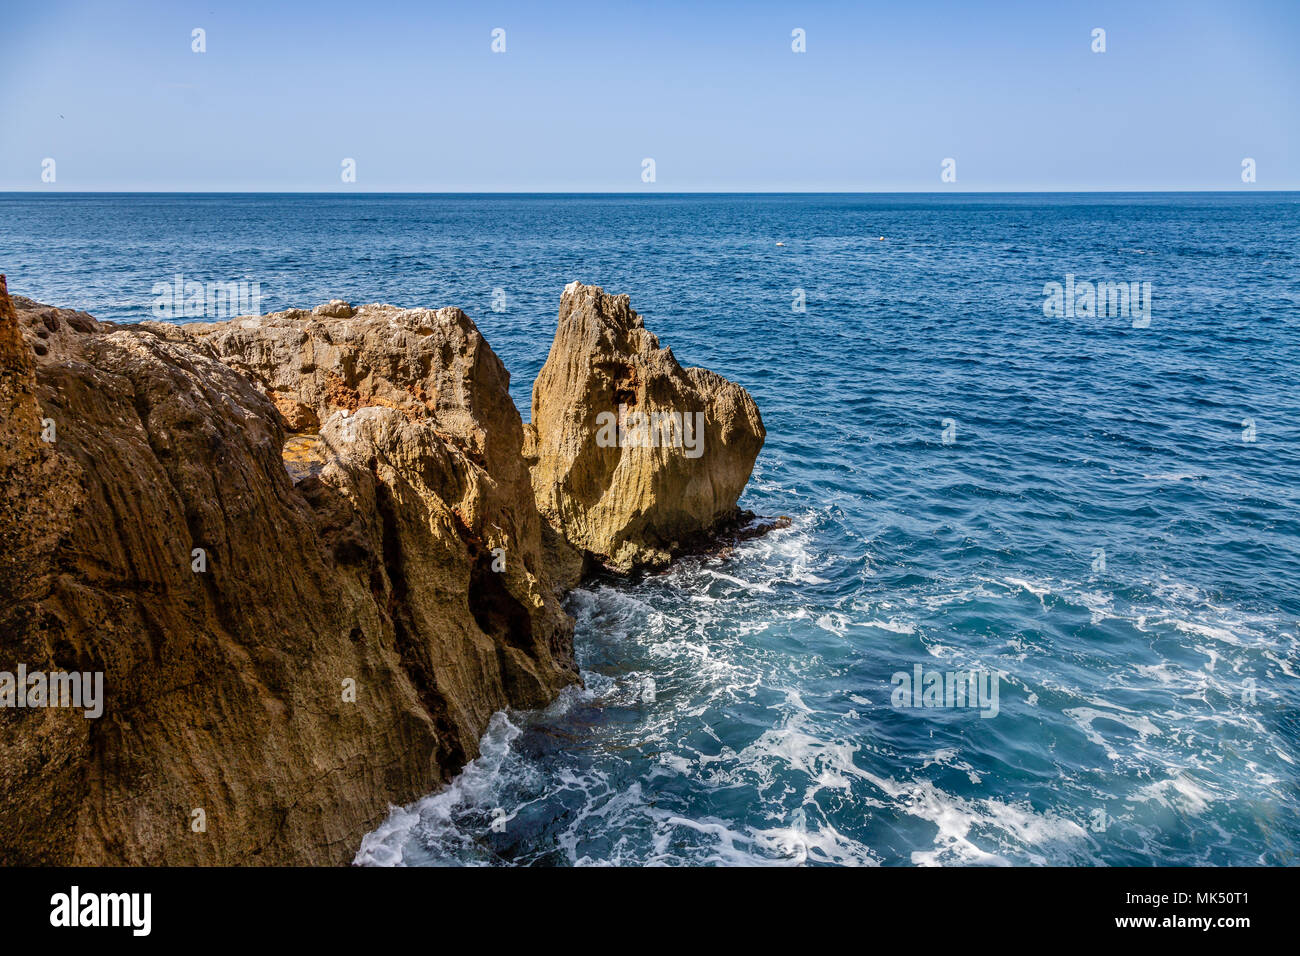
<point x="737" y="709"/>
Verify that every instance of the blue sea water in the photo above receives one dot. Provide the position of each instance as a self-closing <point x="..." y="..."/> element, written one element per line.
<point x="1110" y="522"/>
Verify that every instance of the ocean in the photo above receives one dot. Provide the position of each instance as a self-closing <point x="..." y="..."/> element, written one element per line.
<point x="1093" y="510"/>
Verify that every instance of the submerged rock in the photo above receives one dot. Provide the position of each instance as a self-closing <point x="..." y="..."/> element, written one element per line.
<point x="296" y="631"/>
<point x="634" y="458"/>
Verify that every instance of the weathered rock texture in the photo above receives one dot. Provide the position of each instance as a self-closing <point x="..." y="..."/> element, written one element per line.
<point x="635" y="503"/>
<point x="225" y="687"/>
<point x="234" y="588"/>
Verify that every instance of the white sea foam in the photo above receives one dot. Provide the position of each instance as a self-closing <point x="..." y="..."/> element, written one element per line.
<point x="715" y="667"/>
<point x="387" y="844"/>
<point x="1085" y="716"/>
<point x="1180" y="792"/>
<point x="893" y="624"/>
<point x="1039" y="591"/>
<point x="961" y="822"/>
<point x="749" y="585"/>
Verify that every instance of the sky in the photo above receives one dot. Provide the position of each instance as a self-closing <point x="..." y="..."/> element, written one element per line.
<point x="713" y="93"/>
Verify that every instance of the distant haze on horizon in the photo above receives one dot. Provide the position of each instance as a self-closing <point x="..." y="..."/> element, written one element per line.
<point x="1005" y="96"/>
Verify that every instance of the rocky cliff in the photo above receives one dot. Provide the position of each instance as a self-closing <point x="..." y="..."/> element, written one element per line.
<point x="305" y="552"/>
<point x="634" y="457"/>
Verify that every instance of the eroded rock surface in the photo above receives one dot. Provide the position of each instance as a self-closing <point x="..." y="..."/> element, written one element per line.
<point x="226" y="688"/>
<point x="634" y="458"/>
<point x="306" y="554"/>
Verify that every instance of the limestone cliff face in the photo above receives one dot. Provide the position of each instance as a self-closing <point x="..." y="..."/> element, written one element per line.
<point x="634" y="457"/>
<point x="227" y="687"/>
<point x="40" y="492"/>
<point x="306" y="554"/>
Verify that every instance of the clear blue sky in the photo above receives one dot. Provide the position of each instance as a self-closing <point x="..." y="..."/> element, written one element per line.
<point x="710" y="91"/>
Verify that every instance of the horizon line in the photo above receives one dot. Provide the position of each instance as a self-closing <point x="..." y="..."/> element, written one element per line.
<point x="643" y="193"/>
